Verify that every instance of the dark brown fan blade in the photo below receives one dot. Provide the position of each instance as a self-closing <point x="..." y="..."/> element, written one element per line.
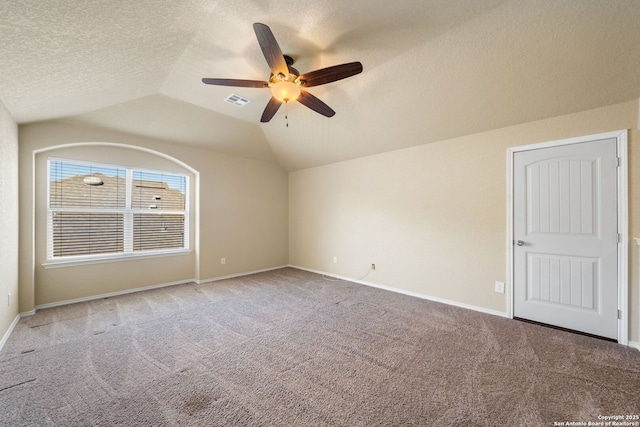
<point x="315" y="104"/>
<point x="330" y="74"/>
<point x="270" y="110"/>
<point x="270" y="49"/>
<point x="235" y="82"/>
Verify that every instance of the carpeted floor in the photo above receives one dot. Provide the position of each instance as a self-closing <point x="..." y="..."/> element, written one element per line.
<point x="289" y="348"/>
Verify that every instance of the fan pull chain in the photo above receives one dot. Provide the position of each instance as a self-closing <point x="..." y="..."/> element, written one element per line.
<point x="286" y="113"/>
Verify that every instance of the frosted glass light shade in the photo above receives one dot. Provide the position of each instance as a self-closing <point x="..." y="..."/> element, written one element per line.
<point x="285" y="91"/>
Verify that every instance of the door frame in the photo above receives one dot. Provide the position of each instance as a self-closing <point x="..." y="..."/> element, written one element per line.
<point x="623" y="220"/>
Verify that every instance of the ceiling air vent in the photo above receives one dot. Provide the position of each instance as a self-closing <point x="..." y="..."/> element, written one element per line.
<point x="237" y="100"/>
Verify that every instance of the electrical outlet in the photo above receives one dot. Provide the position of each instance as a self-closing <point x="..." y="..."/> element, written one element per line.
<point x="335" y="259"/>
<point x="500" y="287"/>
<point x="373" y="266"/>
<point x="223" y="261"/>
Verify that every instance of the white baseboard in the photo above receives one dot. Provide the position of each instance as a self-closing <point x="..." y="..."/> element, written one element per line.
<point x="124" y="292"/>
<point x="144" y="288"/>
<point x="632" y="344"/>
<point x="232" y="276"/>
<point x="7" y="334"/>
<point x="410" y="293"/>
<point x="107" y="295"/>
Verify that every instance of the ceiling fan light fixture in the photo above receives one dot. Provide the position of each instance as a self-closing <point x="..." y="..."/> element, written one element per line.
<point x="286" y="82"/>
<point x="285" y="91"/>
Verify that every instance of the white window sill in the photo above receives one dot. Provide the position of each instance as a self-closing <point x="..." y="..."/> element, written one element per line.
<point x="85" y="260"/>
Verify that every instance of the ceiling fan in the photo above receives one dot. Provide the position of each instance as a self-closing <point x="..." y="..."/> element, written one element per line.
<point x="286" y="82"/>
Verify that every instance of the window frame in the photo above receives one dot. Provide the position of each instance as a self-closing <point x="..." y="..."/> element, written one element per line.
<point x="128" y="213"/>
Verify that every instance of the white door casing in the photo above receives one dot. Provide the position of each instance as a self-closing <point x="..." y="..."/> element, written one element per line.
<point x="567" y="263"/>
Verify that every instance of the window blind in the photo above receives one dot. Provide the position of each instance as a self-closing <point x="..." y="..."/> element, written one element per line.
<point x="103" y="210"/>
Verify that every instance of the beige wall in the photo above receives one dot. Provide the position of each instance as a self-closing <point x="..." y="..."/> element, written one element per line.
<point x="8" y="219"/>
<point x="433" y="218"/>
<point x="239" y="210"/>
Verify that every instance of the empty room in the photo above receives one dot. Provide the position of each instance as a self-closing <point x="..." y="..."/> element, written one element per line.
<point x="331" y="213"/>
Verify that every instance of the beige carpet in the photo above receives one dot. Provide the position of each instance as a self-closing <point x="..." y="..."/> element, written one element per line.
<point x="289" y="348"/>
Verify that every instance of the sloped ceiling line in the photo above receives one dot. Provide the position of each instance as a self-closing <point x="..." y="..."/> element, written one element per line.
<point x="433" y="69"/>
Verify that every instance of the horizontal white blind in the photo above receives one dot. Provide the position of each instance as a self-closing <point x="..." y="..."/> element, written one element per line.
<point x="87" y="233"/>
<point x="157" y="231"/>
<point x="158" y="191"/>
<point x="92" y="213"/>
<point x="86" y="186"/>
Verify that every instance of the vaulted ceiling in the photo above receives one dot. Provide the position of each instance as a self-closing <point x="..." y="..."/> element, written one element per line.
<point x="433" y="69"/>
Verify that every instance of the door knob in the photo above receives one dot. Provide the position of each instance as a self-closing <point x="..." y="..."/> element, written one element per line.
<point x="520" y="243"/>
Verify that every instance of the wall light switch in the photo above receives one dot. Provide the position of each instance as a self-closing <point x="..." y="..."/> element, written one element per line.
<point x="500" y="287"/>
<point x="223" y="261"/>
<point x="335" y="259"/>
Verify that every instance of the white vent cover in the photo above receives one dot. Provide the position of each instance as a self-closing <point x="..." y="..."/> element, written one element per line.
<point x="237" y="100"/>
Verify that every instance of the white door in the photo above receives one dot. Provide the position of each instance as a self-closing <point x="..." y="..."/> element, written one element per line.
<point x="566" y="236"/>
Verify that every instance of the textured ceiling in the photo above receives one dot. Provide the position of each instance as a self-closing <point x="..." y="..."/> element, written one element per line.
<point x="433" y="69"/>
